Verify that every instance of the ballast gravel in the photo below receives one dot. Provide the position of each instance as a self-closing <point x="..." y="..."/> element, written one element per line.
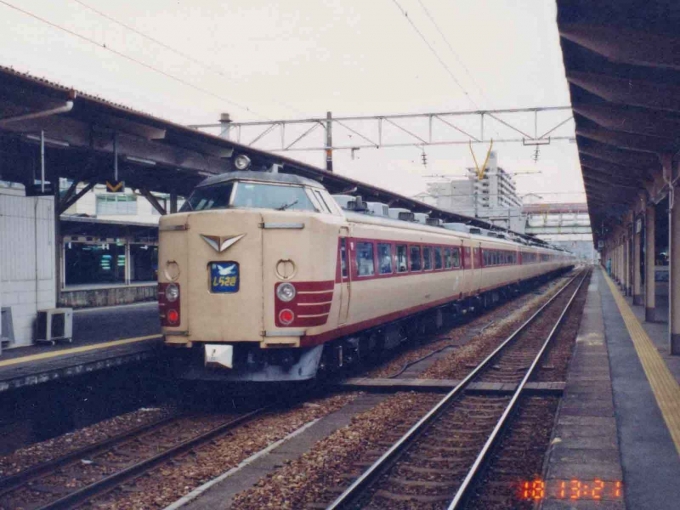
<point x="56" y="447"/>
<point x="308" y="479"/>
<point x="179" y="476"/>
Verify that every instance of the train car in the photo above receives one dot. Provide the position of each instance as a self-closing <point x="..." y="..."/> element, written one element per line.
<point x="263" y="277"/>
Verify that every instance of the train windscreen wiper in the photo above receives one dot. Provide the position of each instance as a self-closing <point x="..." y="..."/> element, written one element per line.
<point x="286" y="206"/>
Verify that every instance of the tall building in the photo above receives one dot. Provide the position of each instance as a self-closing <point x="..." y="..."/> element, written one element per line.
<point x="493" y="197"/>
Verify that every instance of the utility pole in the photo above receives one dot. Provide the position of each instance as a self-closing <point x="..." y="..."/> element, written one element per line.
<point x="329" y="141"/>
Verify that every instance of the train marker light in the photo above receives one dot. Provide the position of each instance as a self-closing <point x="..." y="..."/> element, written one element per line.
<point x="242" y="162"/>
<point x="173" y="316"/>
<point x="172" y="292"/>
<point x="286" y="316"/>
<point x="286" y="292"/>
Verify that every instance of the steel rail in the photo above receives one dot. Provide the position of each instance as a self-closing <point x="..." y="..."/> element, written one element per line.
<point x="105" y="484"/>
<point x="13" y="482"/>
<point x="351" y="495"/>
<point x="474" y="471"/>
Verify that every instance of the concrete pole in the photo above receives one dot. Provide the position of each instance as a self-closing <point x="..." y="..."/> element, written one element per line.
<point x="650" y="261"/>
<point x="626" y="269"/>
<point x="622" y="258"/>
<point x="615" y="261"/>
<point x="674" y="276"/>
<point x="637" y="252"/>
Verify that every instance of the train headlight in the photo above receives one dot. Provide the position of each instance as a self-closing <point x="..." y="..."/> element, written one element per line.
<point x="172" y="293"/>
<point x="286" y="292"/>
<point x="241" y="162"/>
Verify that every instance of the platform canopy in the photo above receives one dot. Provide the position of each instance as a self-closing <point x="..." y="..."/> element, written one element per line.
<point x="81" y="132"/>
<point x="622" y="62"/>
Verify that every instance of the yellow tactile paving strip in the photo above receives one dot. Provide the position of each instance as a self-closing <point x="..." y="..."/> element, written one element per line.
<point x="665" y="387"/>
<point x="75" y="350"/>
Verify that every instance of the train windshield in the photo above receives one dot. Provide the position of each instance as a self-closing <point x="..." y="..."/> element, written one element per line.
<point x="250" y="195"/>
<point x="272" y="196"/>
<point x="209" y="197"/>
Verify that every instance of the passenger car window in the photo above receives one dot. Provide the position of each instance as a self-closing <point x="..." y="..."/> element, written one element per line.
<point x="448" y="258"/>
<point x="456" y="257"/>
<point x="438" y="257"/>
<point x="427" y="258"/>
<point x="385" y="258"/>
<point x="365" y="265"/>
<point x="402" y="260"/>
<point x="416" y="263"/>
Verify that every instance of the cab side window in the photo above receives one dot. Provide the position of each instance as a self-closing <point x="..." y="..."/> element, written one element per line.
<point x="343" y="257"/>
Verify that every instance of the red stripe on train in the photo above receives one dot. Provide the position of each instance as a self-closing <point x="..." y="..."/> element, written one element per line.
<point x="320" y="297"/>
<point x="314" y="309"/>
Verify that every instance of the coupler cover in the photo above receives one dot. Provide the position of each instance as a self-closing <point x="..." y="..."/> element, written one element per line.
<point x="217" y="355"/>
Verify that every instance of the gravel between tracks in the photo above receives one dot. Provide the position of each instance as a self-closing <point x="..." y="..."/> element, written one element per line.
<point x="459" y="363"/>
<point x="306" y="479"/>
<point x="508" y="312"/>
<point x="556" y="361"/>
<point x="179" y="476"/>
<point x="37" y="453"/>
<point x="518" y="458"/>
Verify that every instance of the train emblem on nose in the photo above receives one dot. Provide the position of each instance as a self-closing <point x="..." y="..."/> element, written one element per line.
<point x="221" y="243"/>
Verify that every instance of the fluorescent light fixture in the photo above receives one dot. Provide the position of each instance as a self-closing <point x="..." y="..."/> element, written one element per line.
<point x="141" y="161"/>
<point x="48" y="141"/>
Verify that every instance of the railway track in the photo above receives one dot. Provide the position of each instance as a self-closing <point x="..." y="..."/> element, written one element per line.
<point x="435" y="463"/>
<point x="74" y="479"/>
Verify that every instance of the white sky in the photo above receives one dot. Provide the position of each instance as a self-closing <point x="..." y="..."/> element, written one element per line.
<point x="301" y="58"/>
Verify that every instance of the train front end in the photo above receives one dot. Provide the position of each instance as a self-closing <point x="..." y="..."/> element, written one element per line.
<point x="234" y="265"/>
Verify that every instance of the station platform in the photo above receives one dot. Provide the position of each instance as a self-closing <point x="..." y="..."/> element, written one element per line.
<point x="616" y="442"/>
<point x="102" y="338"/>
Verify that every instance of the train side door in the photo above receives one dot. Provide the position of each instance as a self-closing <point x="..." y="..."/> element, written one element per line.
<point x="343" y="274"/>
<point x="477" y="270"/>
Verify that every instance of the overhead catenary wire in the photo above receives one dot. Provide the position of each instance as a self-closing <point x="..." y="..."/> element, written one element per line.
<point x="130" y="58"/>
<point x="182" y="54"/>
<point x="437" y="56"/>
<point x="453" y="52"/>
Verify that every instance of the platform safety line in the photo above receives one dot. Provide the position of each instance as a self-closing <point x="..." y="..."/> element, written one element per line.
<point x="75" y="350"/>
<point x="665" y="387"/>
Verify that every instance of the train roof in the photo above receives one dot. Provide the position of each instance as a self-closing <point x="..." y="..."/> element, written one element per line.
<point x="261" y="177"/>
<point x="412" y="225"/>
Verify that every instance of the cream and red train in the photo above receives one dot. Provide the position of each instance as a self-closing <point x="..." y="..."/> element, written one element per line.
<point x="264" y="277"/>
